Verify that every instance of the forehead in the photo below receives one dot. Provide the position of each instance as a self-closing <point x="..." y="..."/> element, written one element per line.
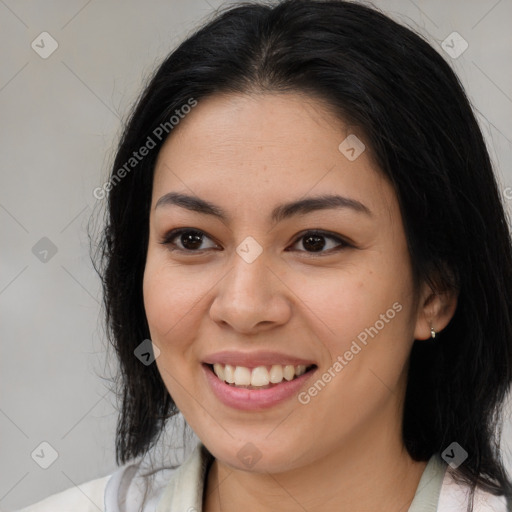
<point x="258" y="149"/>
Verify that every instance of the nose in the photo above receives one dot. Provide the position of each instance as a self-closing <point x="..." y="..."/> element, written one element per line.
<point x="252" y="297"/>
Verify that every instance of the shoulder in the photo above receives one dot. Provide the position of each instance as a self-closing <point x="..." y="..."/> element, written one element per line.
<point x="87" y="497"/>
<point x="454" y="498"/>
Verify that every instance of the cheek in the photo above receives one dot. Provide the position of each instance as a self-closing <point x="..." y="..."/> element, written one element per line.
<point x="171" y="302"/>
<point x="170" y="299"/>
<point x="343" y="305"/>
<point x="363" y="316"/>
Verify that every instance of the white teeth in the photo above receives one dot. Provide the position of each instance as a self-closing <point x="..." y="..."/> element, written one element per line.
<point x="242" y="376"/>
<point x="229" y="374"/>
<point x="219" y="370"/>
<point x="300" y="370"/>
<point x="289" y="372"/>
<point x="260" y="376"/>
<point x="276" y="374"/>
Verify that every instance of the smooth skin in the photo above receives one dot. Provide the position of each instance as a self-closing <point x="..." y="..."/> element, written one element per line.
<point x="246" y="154"/>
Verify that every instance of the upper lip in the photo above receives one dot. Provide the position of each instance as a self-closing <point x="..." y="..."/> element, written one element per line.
<point x="256" y="358"/>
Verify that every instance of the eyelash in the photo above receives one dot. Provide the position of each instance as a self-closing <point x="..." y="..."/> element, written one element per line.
<point x="171" y="235"/>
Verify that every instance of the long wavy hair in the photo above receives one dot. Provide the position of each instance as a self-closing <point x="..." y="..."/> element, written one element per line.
<point x="382" y="77"/>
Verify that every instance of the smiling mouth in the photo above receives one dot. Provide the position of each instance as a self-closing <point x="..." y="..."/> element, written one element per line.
<point x="260" y="377"/>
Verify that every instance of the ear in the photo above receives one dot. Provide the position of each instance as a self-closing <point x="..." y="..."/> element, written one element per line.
<point x="435" y="310"/>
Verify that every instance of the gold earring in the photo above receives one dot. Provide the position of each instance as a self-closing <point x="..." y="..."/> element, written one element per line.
<point x="432" y="333"/>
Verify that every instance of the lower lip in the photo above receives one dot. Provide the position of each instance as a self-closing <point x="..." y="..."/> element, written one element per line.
<point x="254" y="399"/>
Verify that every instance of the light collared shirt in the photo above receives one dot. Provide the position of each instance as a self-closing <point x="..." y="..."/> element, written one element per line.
<point x="180" y="489"/>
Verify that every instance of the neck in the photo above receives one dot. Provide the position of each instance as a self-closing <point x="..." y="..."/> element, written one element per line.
<point x="372" y="472"/>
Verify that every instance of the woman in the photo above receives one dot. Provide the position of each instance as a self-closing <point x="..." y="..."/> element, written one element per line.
<point x="304" y="221"/>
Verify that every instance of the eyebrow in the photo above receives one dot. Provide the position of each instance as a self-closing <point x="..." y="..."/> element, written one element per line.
<point x="279" y="213"/>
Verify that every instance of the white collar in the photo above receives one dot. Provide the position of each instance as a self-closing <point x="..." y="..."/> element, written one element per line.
<point x="181" y="488"/>
<point x="185" y="489"/>
<point x="138" y="486"/>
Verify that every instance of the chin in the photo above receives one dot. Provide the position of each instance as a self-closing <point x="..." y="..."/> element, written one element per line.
<point x="257" y="456"/>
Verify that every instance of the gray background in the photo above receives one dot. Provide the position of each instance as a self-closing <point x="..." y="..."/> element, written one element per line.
<point x="60" y="119"/>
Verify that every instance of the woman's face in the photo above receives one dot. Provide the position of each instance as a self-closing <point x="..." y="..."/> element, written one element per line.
<point x="255" y="289"/>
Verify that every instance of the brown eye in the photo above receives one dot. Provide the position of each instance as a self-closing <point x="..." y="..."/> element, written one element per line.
<point x="188" y="240"/>
<point x="315" y="242"/>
